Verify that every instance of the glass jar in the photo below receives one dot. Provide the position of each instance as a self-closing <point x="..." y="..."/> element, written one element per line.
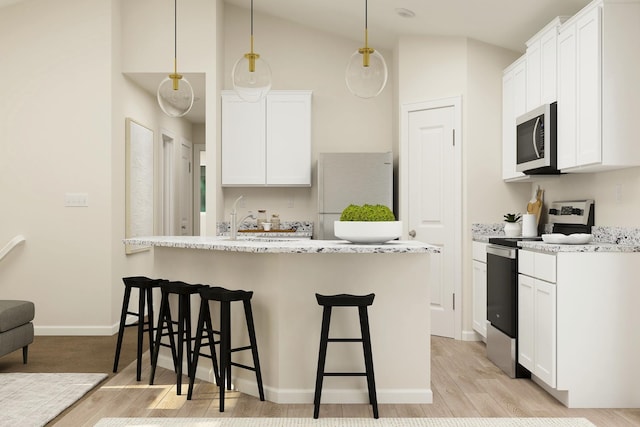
<point x="275" y="222"/>
<point x="262" y="217"/>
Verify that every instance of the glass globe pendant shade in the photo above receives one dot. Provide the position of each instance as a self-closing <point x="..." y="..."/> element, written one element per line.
<point x="366" y="73"/>
<point x="251" y="77"/>
<point x="175" y="96"/>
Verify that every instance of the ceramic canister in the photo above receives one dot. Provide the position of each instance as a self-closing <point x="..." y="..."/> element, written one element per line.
<point x="529" y="225"/>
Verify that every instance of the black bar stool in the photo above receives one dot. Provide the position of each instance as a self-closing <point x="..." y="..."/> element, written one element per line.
<point x="145" y="287"/>
<point x="345" y="300"/>
<point x="225" y="297"/>
<point x="165" y="327"/>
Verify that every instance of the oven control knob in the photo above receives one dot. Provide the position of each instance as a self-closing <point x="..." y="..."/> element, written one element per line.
<point x="553" y="211"/>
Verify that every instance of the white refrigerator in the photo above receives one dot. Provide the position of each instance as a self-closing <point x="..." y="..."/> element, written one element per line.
<point x="351" y="178"/>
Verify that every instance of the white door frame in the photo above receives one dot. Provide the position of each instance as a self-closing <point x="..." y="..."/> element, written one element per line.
<point x="167" y="186"/>
<point x="197" y="150"/>
<point x="403" y="199"/>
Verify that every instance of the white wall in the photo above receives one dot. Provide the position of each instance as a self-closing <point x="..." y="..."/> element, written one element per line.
<point x="613" y="207"/>
<point x="55" y="137"/>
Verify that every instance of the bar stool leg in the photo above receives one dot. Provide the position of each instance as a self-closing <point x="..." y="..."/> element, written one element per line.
<point x="225" y="349"/>
<point x="322" y="356"/>
<point x="123" y="319"/>
<point x="204" y="307"/>
<point x="181" y="340"/>
<point x="212" y="348"/>
<point x="368" y="358"/>
<point x="248" y="314"/>
<point x="141" y="303"/>
<point x="164" y="319"/>
<point x="150" y="319"/>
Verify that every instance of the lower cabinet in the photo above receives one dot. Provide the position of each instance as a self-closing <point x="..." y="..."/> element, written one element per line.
<point x="537" y="327"/>
<point x="479" y="280"/>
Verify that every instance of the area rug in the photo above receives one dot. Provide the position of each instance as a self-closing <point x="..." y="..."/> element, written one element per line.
<point x="35" y="399"/>
<point x="345" y="422"/>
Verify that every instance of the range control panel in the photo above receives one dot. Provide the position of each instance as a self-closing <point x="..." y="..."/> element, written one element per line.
<point x="578" y="212"/>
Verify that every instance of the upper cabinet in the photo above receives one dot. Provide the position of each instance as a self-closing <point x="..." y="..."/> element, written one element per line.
<point x="541" y="60"/>
<point x="514" y="103"/>
<point x="267" y="143"/>
<point x="598" y="91"/>
<point x="589" y="65"/>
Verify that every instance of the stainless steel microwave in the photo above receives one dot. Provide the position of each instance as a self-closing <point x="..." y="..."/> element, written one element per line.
<point x="536" y="141"/>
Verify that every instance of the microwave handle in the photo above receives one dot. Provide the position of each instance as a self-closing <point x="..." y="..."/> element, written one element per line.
<point x="533" y="137"/>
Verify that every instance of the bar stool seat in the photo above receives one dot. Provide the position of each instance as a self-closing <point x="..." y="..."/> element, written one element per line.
<point x="165" y="327"/>
<point x="225" y="297"/>
<point x="345" y="300"/>
<point x="145" y="287"/>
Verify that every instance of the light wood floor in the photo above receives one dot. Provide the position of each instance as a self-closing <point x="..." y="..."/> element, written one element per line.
<point x="463" y="381"/>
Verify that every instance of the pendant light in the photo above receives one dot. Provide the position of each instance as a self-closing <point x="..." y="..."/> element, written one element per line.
<point x="366" y="72"/>
<point x="251" y="74"/>
<point x="175" y="94"/>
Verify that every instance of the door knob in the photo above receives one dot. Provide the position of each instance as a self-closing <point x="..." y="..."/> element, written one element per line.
<point x="412" y="233"/>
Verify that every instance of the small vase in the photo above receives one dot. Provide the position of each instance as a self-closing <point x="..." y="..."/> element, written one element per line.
<point x="512" y="229"/>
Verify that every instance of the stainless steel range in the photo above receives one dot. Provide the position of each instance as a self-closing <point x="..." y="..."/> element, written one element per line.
<point x="502" y="282"/>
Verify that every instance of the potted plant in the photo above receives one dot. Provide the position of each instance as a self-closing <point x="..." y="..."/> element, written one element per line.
<point x="367" y="224"/>
<point x="512" y="225"/>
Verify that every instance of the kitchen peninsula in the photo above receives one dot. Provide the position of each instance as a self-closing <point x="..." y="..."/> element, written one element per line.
<point x="284" y="275"/>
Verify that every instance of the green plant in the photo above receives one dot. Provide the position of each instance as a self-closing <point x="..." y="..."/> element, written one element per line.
<point x="510" y="217"/>
<point x="367" y="213"/>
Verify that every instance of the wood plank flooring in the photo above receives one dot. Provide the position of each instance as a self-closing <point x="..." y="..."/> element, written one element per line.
<point x="464" y="384"/>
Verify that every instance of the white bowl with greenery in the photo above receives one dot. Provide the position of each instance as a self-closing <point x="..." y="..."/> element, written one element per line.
<point x="367" y="224"/>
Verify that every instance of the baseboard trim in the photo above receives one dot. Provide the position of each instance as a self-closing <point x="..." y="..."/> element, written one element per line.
<point x="74" y="330"/>
<point x="471" y="336"/>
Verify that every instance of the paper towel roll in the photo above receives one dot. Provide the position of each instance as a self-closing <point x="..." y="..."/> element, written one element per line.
<point x="529" y="225"/>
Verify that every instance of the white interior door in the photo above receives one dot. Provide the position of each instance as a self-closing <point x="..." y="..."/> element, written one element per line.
<point x="433" y="201"/>
<point x="186" y="189"/>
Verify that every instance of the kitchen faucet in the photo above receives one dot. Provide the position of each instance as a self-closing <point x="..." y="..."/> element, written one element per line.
<point x="234" y="219"/>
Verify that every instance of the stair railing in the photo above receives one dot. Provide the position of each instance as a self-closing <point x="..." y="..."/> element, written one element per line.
<point x="11" y="245"/>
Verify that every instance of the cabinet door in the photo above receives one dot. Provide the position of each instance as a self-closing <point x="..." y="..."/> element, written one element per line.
<point x="588" y="88"/>
<point x="548" y="66"/>
<point x="545" y="332"/>
<point x="534" y="77"/>
<point x="526" y="322"/>
<point x="243" y="141"/>
<point x="480" y="298"/>
<point x="513" y="104"/>
<point x="289" y="139"/>
<point x="567" y="101"/>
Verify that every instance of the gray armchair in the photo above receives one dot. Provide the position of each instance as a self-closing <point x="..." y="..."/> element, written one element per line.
<point x="16" y="326"/>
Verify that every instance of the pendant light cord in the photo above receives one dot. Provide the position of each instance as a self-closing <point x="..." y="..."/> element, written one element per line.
<point x="175" y="36"/>
<point x="366" y="24"/>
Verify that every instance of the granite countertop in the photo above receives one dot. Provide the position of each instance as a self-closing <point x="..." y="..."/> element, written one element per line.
<point x="281" y="245"/>
<point x="590" y="247"/>
<point x="605" y="239"/>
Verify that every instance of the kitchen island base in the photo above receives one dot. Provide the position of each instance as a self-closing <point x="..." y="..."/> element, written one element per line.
<point x="288" y="319"/>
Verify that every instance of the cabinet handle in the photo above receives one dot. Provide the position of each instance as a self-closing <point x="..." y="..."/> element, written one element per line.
<point x="412" y="233"/>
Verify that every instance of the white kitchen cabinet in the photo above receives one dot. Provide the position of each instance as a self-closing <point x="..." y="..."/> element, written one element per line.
<point x="267" y="143"/>
<point x="542" y="65"/>
<point x="479" y="280"/>
<point x="598" y="95"/>
<point x="537" y="314"/>
<point x="514" y="104"/>
<point x="576" y="335"/>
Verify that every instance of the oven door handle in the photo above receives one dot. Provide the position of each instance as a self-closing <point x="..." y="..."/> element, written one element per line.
<point x="502" y="251"/>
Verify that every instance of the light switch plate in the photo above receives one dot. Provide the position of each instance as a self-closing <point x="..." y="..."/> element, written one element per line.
<point x="76" y="199"/>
